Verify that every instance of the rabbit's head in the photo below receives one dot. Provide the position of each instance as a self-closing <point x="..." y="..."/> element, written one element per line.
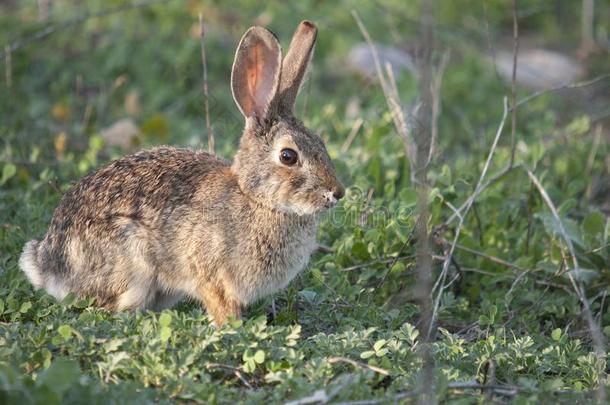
<point x="280" y="163"/>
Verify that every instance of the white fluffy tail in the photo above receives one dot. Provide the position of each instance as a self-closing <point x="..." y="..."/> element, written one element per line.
<point x="29" y="264"/>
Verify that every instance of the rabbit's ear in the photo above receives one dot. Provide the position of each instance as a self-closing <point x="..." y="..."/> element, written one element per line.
<point x="256" y="72"/>
<point x="295" y="64"/>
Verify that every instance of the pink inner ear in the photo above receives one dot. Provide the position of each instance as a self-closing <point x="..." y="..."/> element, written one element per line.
<point x="253" y="71"/>
<point x="261" y="74"/>
<point x="256" y="72"/>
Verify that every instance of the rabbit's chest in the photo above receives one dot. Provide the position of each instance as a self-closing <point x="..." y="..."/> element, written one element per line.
<point x="277" y="260"/>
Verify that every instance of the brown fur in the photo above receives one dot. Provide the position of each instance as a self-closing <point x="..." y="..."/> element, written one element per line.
<point x="150" y="228"/>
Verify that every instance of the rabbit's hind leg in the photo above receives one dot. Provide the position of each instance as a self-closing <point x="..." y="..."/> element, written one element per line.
<point x="218" y="304"/>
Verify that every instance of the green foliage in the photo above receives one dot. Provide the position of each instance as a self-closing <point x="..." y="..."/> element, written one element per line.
<point x="508" y="302"/>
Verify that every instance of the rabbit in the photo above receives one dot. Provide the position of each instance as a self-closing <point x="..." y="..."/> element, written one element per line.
<point x="148" y="229"/>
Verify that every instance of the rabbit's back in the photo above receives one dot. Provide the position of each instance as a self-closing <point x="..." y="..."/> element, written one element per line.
<point x="140" y="187"/>
<point x="111" y="230"/>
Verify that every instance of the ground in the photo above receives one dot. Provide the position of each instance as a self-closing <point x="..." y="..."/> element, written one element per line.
<point x="510" y="324"/>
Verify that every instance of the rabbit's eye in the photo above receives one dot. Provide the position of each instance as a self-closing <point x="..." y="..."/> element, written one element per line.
<point x="288" y="157"/>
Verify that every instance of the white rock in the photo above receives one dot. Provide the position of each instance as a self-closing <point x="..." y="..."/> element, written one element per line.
<point x="360" y="59"/>
<point x="539" y="69"/>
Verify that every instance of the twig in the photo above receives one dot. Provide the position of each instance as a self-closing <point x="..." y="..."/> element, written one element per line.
<point x="596" y="335"/>
<point x="333" y="360"/>
<point x="513" y="128"/>
<point x="322" y="396"/>
<point x="462" y="213"/>
<point x="324" y="249"/>
<point x="8" y="68"/>
<point x="424" y="253"/>
<point x="597" y="135"/>
<point x="587" y="27"/>
<point x="483" y="187"/>
<point x="235" y="371"/>
<point x="206" y="95"/>
<point x="397" y="257"/>
<point x="486" y="256"/>
<point x="391" y="261"/>
<point x="352" y="135"/>
<point x="51" y="29"/>
<point x="505" y="390"/>
<point x="437" y="81"/>
<point x="489" y="42"/>
<point x="554" y="285"/>
<point x="564" y="86"/>
<point x="400" y="123"/>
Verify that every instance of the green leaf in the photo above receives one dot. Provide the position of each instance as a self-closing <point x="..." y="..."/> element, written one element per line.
<point x="8" y="171"/>
<point x="367" y="354"/>
<point x="585" y="276"/>
<point x="113" y="345"/>
<point x="249" y="366"/>
<point x="60" y="376"/>
<point x="409" y="196"/>
<point x="25" y="307"/>
<point x="166" y="333"/>
<point x="484" y="320"/>
<point x="556" y="334"/>
<point x="65" y="331"/>
<point x="382" y="352"/>
<point x="379" y="344"/>
<point x="259" y="357"/>
<point x="593" y="225"/>
<point x="165" y="319"/>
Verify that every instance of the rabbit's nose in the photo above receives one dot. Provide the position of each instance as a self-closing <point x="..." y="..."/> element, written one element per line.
<point x="338" y="192"/>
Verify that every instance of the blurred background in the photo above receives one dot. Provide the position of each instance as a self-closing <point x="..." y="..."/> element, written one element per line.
<point x="83" y="82"/>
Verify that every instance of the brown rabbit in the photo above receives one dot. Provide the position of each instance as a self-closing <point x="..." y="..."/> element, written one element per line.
<point x="148" y="229"/>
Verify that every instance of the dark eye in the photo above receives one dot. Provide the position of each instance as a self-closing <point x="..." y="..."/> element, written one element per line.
<point x="288" y="157"/>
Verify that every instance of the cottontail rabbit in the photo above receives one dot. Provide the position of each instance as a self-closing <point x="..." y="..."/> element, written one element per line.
<point x="151" y="228"/>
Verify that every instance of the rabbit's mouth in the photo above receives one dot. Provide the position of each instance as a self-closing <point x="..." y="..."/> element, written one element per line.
<point x="307" y="208"/>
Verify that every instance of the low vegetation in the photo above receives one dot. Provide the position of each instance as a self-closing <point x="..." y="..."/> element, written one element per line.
<point x="510" y="323"/>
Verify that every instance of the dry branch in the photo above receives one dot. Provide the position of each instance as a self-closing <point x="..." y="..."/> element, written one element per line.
<point x="206" y="95"/>
<point x="379" y="370"/>
<point x="513" y="128"/>
<point x="596" y="334"/>
<point x="391" y="96"/>
<point x="461" y="214"/>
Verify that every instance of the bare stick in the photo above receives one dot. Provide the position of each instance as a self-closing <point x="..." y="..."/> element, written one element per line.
<point x="424" y="254"/>
<point x="491" y="258"/>
<point x="597" y="135"/>
<point x="587" y="26"/>
<point x="504" y="390"/>
<point x="596" y="334"/>
<point x="8" y="68"/>
<point x="392" y="100"/>
<point x="333" y="360"/>
<point x="352" y="135"/>
<point x="483" y="187"/>
<point x="575" y="85"/>
<point x="324" y="249"/>
<point x="235" y="371"/>
<point x="391" y="261"/>
<point x="205" y="88"/>
<point x="437" y="81"/>
<point x="461" y="215"/>
<point x="513" y="127"/>
<point x="489" y="42"/>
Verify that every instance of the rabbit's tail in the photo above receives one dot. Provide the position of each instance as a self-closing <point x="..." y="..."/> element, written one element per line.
<point x="29" y="263"/>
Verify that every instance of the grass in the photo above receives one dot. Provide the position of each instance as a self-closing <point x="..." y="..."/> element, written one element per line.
<point x="510" y="327"/>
